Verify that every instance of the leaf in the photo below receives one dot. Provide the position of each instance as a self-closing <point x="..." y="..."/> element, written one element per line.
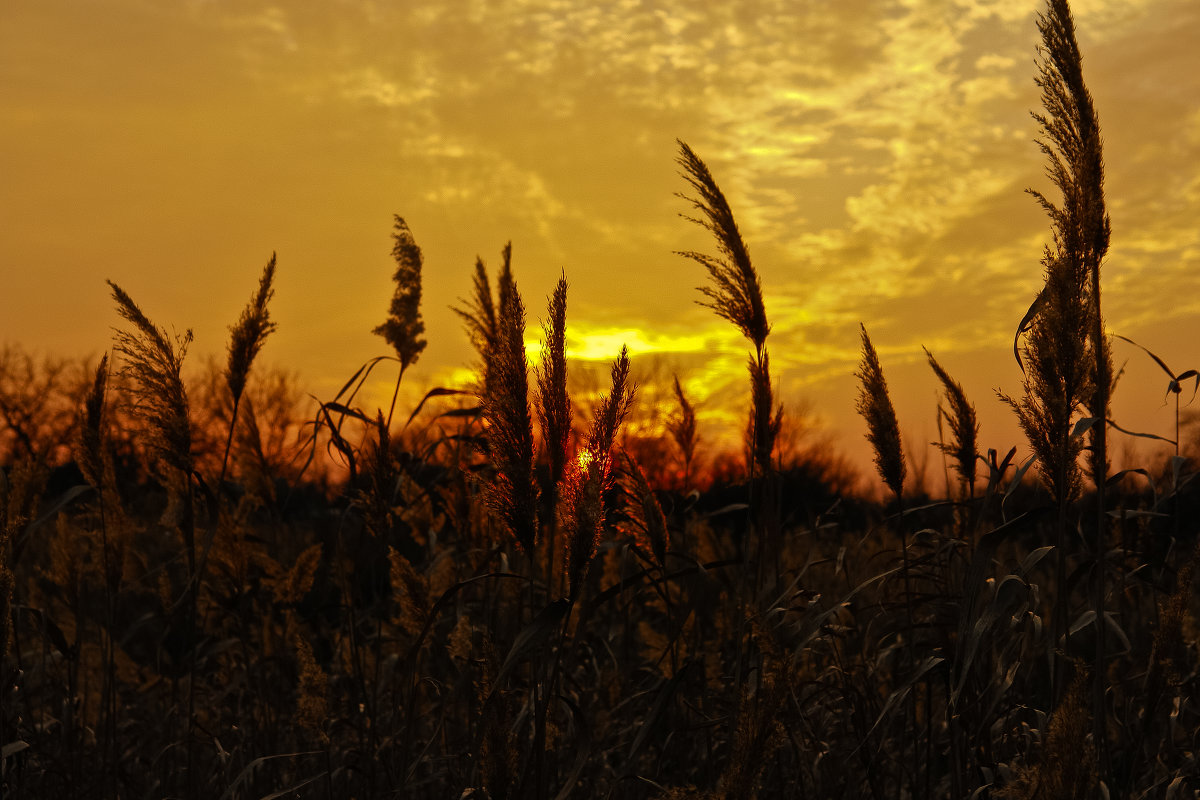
<point x="248" y="771"/>
<point x="11" y="749"/>
<point x="1157" y="360"/>
<point x="897" y="696"/>
<point x="583" y="750"/>
<point x="52" y="631"/>
<point x="1082" y="426"/>
<point x="531" y="638"/>
<point x="1031" y="560"/>
<point x="293" y="788"/>
<point x="1026" y="322"/>
<point x="1082" y="621"/>
<point x="1177" y="463"/>
<point x="338" y="408"/>
<point x="1174" y="385"/>
<point x="1135" y="513"/>
<point x="729" y="509"/>
<point x="972" y="581"/>
<point x="437" y="391"/>
<point x="1115" y="628"/>
<point x="665" y="695"/>
<point x="1018" y="475"/>
<point x="1117" y="476"/>
<point x="364" y="371"/>
<point x="1142" y="435"/>
<point x="471" y="411"/>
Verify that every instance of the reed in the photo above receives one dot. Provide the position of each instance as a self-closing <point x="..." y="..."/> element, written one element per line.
<point x="964" y="428"/>
<point x="735" y="295"/>
<point x="153" y="364"/>
<point x="1068" y="353"/>
<point x="874" y="404"/>
<point x="683" y="432"/>
<point x="554" y="414"/>
<point x="585" y="507"/>
<point x="404" y="328"/>
<point x="512" y="493"/>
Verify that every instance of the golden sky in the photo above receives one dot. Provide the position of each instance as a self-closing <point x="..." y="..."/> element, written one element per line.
<point x="875" y="153"/>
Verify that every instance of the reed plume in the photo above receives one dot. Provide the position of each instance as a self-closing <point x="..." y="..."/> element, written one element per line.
<point x="1070" y="362"/>
<point x="644" y="524"/>
<point x="964" y="426"/>
<point x="1064" y="771"/>
<point x="246" y="338"/>
<point x="1072" y="145"/>
<point x="89" y="443"/>
<point x="153" y="363"/>
<point x="404" y="327"/>
<point x="875" y="406"/>
<point x="512" y="493"/>
<point x="1071" y="142"/>
<point x="153" y="366"/>
<point x="479" y="313"/>
<point x="312" y="704"/>
<point x="735" y="295"/>
<point x="591" y="479"/>
<point x="554" y="405"/>
<point x="554" y="413"/>
<point x="683" y="432"/>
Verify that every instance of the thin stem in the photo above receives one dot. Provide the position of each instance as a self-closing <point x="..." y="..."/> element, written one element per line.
<point x="395" y="394"/>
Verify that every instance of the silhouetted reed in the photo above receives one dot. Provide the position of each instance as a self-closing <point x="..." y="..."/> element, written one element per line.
<point x="512" y="491"/>
<point x="875" y="406"/>
<point x="404" y="327"/>
<point x="153" y="364"/>
<point x="683" y="431"/>
<point x="736" y="295"/>
<point x="964" y="427"/>
<point x="591" y="479"/>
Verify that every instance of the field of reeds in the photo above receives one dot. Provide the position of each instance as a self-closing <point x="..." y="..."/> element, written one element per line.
<point x="210" y="588"/>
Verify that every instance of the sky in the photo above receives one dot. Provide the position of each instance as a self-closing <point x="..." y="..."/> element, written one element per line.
<point x="875" y="154"/>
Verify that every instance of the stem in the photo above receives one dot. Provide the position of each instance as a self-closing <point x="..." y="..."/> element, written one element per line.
<point x="395" y="394"/>
<point x="1100" y="476"/>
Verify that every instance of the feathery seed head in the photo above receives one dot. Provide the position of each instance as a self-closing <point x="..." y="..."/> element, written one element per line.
<point x="89" y="445"/>
<point x="252" y="329"/>
<point x="554" y="406"/>
<point x="512" y="494"/>
<point x="735" y="293"/>
<point x="153" y="363"/>
<point x="875" y="406"/>
<point x="683" y="431"/>
<point x="585" y="512"/>
<point x="964" y="427"/>
<point x="404" y="327"/>
<point x="644" y="522"/>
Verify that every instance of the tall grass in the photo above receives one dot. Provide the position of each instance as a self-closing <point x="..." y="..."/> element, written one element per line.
<point x="485" y="602"/>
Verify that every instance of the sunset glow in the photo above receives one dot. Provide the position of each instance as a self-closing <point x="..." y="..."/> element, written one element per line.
<point x="875" y="153"/>
<point x="619" y="398"/>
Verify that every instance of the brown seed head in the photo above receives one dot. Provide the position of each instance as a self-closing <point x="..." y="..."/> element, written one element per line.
<point x="875" y="406"/>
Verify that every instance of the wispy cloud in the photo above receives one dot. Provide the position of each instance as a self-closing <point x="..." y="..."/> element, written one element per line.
<point x="875" y="153"/>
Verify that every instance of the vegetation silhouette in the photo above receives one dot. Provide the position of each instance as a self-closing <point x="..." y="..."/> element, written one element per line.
<point x="520" y="588"/>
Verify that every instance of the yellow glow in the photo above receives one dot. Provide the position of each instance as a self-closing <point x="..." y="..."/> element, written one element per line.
<point x="876" y="172"/>
<point x="604" y="344"/>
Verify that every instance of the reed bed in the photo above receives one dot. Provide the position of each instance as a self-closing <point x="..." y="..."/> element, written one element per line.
<point x="207" y="591"/>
